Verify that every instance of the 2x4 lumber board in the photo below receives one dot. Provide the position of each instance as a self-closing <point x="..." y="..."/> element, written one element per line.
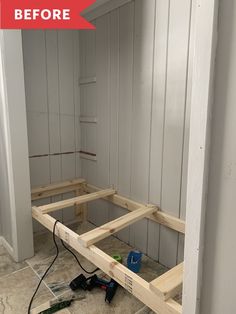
<point x="125" y="277"/>
<point x="169" y="284"/>
<point x="111" y="227"/>
<point x="55" y="189"/>
<point x="159" y="216"/>
<point x="76" y="201"/>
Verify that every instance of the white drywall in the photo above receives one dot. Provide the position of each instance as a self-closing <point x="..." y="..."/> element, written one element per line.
<point x="219" y="276"/>
<point x="139" y="56"/>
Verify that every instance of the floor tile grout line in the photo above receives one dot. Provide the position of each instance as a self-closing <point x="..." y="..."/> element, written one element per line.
<point x="40" y="279"/>
<point x="14" y="272"/>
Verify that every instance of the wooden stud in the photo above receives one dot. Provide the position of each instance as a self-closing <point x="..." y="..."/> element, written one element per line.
<point x="79" y="208"/>
<point x="126" y="278"/>
<point x="111" y="227"/>
<point x="76" y="201"/>
<point x="73" y="185"/>
<point x="55" y="189"/>
<point x="169" y="284"/>
<point x="159" y="217"/>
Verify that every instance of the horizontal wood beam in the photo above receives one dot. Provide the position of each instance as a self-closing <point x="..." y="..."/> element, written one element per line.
<point x="111" y="227"/>
<point x="75" y="201"/>
<point x="125" y="277"/>
<point x="169" y="284"/>
<point x="55" y="189"/>
<point x="159" y="216"/>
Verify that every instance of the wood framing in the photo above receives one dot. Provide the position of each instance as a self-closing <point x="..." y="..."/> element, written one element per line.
<point x="159" y="294"/>
<point x="159" y="217"/>
<point x="169" y="284"/>
<point x="102" y="232"/>
<point x="55" y="189"/>
<point x="76" y="201"/>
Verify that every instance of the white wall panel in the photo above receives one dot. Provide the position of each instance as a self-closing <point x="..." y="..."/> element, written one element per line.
<point x="35" y="58"/>
<point x="114" y="98"/>
<point x="67" y="133"/>
<point x="157" y="119"/>
<point x="142" y="101"/>
<point x="66" y="71"/>
<point x="102" y="97"/>
<point x="39" y="171"/>
<point x="179" y="22"/>
<point x="52" y="71"/>
<point x="126" y="30"/>
<point x="141" y="59"/>
<point x="38" y="133"/>
<point x="51" y="61"/>
<point x="54" y="133"/>
<point x="55" y="168"/>
<point x="68" y="166"/>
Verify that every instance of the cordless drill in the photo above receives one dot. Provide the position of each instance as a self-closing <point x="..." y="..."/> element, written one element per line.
<point x="109" y="286"/>
<point x="89" y="283"/>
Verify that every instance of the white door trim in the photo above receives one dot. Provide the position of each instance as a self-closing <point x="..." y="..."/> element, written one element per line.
<point x="203" y="48"/>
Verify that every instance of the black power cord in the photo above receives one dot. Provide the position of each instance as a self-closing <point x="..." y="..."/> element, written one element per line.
<point x="53" y="261"/>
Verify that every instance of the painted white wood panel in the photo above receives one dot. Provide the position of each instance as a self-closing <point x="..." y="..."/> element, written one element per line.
<point x="142" y="102"/>
<point x="178" y="42"/>
<point x="102" y="96"/>
<point x="35" y="58"/>
<point x="88" y="100"/>
<point x="54" y="133"/>
<point x="52" y="71"/>
<point x="67" y="133"/>
<point x="39" y="171"/>
<point x="38" y="133"/>
<point x="55" y="169"/>
<point x="115" y="211"/>
<point x="157" y="118"/>
<point x="99" y="210"/>
<point x="126" y="30"/>
<point x="66" y="71"/>
<point x="114" y="97"/>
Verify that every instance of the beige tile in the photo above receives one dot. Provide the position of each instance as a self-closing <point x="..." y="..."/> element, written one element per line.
<point x="7" y="264"/>
<point x="94" y="303"/>
<point x="145" y="310"/>
<point x="16" y="291"/>
<point x="65" y="268"/>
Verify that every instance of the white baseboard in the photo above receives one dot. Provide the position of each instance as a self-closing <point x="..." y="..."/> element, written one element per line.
<point x="7" y="246"/>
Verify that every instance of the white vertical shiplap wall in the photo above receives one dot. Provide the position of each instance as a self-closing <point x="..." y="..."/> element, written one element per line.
<point x="51" y="64"/>
<point x="139" y="56"/>
<point x="174" y="122"/>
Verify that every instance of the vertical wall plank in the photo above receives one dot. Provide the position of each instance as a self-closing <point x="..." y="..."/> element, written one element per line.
<point x="126" y="29"/>
<point x="114" y="97"/>
<point x="142" y="101"/>
<point x="103" y="110"/>
<point x="157" y="119"/>
<point x="52" y="71"/>
<point x="115" y="211"/>
<point x="103" y="114"/>
<point x="35" y="58"/>
<point x="174" y="123"/>
<point x="66" y="71"/>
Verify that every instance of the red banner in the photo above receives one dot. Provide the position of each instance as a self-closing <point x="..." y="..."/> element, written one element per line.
<point x="44" y="14"/>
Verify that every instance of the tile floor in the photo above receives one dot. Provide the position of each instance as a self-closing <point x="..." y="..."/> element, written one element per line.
<point x="19" y="280"/>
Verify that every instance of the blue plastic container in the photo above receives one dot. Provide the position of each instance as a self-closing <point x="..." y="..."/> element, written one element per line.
<point x="134" y="261"/>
